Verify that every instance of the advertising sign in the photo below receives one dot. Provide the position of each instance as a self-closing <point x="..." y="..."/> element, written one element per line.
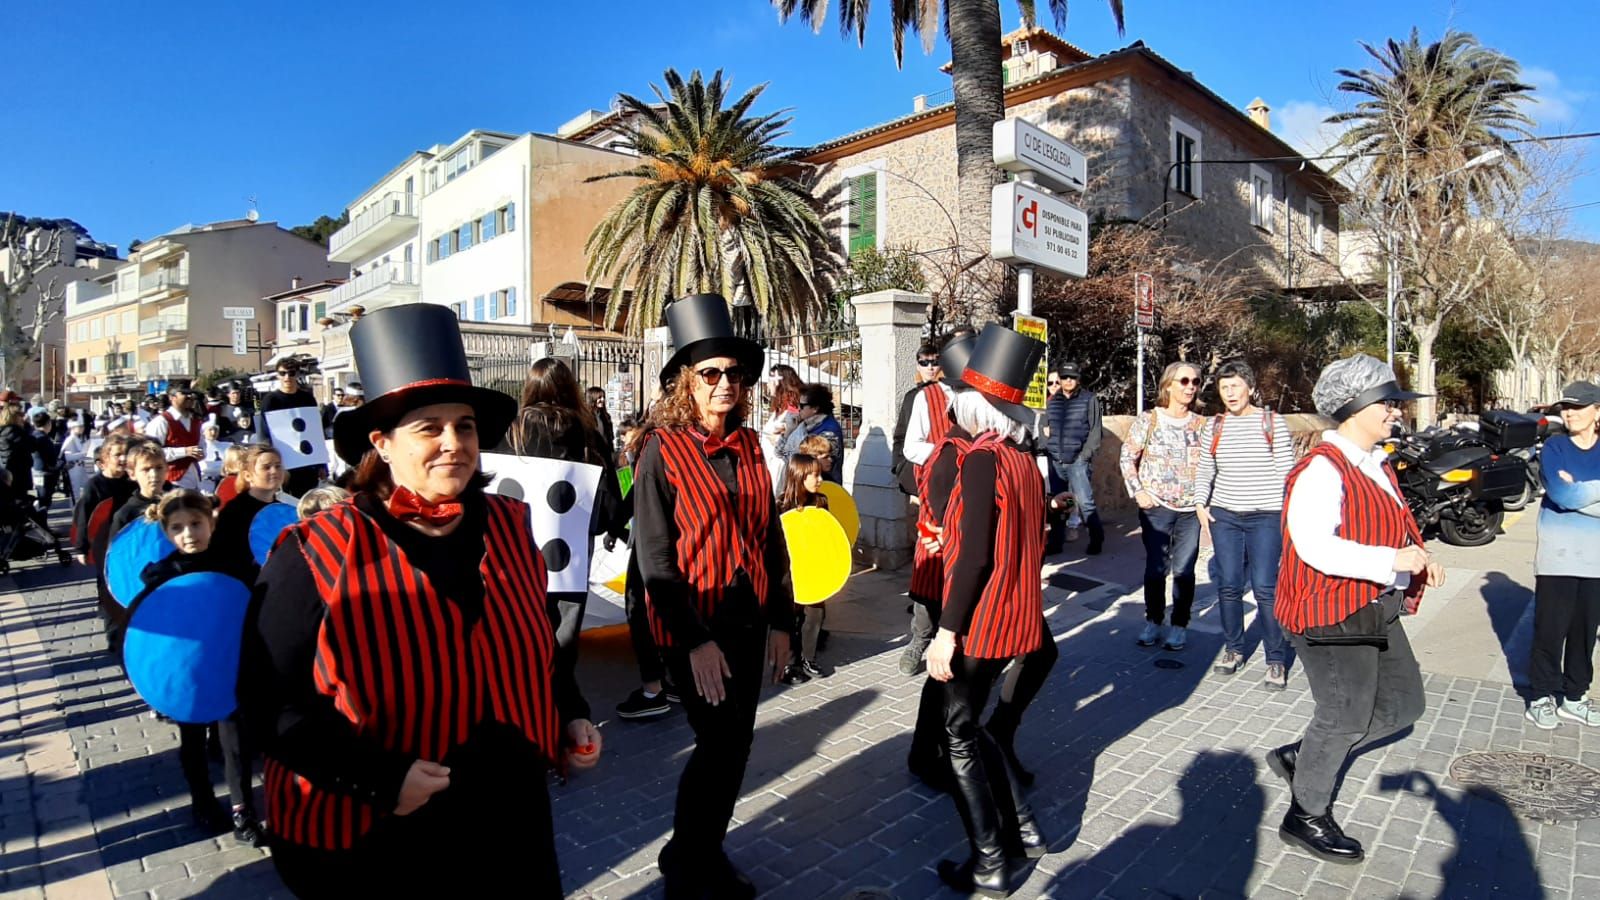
<point x="238" y="312"/>
<point x="1039" y="330"/>
<point x="1029" y="226"/>
<point x="240" y="342"/>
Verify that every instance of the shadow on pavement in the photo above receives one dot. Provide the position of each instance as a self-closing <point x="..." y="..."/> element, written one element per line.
<point x="1491" y="853"/>
<point x="1508" y="601"/>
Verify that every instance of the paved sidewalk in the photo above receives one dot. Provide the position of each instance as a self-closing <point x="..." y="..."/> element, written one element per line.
<point x="1150" y="779"/>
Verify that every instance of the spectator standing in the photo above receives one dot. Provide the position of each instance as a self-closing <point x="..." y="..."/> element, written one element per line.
<point x="1566" y="600"/>
<point x="602" y="418"/>
<point x="1160" y="461"/>
<point x="816" y="418"/>
<point x="1245" y="456"/>
<point x="1073" y="414"/>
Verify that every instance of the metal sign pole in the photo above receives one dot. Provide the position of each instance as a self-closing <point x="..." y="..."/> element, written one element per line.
<point x="1139" y="365"/>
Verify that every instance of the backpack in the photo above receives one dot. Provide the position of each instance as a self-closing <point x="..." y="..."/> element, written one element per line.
<point x="1267" y="425"/>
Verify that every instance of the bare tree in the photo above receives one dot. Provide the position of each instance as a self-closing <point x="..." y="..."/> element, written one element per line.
<point x="27" y="305"/>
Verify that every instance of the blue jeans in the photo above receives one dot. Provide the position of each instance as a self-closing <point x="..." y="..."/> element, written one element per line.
<point x="1253" y="539"/>
<point x="1081" y="485"/>
<point x="1171" y="543"/>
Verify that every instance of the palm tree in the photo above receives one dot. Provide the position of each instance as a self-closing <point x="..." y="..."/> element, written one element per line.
<point x="1432" y="135"/>
<point x="973" y="27"/>
<point x="720" y="208"/>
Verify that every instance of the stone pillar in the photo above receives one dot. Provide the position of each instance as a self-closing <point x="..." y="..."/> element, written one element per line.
<point x="890" y="323"/>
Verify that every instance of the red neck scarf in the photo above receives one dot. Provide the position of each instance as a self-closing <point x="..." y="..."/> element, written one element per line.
<point x="405" y="505"/>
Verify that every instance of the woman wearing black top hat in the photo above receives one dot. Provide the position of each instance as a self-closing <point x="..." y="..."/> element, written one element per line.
<point x="993" y="542"/>
<point x="398" y="660"/>
<point x="716" y="573"/>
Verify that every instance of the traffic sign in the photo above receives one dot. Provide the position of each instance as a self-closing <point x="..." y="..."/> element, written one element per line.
<point x="1030" y="226"/>
<point x="1021" y="146"/>
<point x="1144" y="300"/>
<point x="238" y="312"/>
<point x="240" y="340"/>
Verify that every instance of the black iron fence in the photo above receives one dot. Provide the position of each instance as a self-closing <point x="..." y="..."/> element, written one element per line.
<point x="614" y="366"/>
<point x="825" y="350"/>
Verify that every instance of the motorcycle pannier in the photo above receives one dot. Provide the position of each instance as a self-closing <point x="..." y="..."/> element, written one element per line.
<point x="1502" y="478"/>
<point x="1506" y="430"/>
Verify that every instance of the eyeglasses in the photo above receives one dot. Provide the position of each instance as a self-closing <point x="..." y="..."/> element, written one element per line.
<point x="736" y="375"/>
<point x="1052" y="382"/>
<point x="1185" y="381"/>
<point x="928" y="363"/>
<point x="1392" y="405"/>
<point x="287" y="374"/>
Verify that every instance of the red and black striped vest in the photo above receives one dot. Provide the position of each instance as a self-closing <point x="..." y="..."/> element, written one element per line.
<point x="718" y="533"/>
<point x="403" y="665"/>
<point x="927" y="569"/>
<point x="178" y="436"/>
<point x="1005" y="620"/>
<point x="1307" y="597"/>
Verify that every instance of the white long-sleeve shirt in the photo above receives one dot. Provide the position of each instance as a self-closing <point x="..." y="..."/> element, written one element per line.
<point x="1314" y="517"/>
<point x="156" y="430"/>
<point x="917" y="449"/>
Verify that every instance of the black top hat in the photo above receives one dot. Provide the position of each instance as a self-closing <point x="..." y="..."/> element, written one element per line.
<point x="953" y="360"/>
<point x="409" y="357"/>
<point x="701" y="329"/>
<point x="1001" y="367"/>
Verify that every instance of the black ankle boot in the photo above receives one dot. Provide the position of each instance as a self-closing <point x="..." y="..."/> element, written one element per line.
<point x="1281" y="761"/>
<point x="1029" y="839"/>
<point x="1320" y="835"/>
<point x="978" y="875"/>
<point x="1097" y="535"/>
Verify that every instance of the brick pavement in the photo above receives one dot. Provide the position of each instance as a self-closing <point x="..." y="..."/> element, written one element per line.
<point x="1150" y="780"/>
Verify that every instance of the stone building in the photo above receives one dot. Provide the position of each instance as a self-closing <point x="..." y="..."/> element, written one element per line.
<point x="1152" y="134"/>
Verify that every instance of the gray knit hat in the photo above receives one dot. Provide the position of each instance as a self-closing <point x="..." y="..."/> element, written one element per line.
<point x="1349" y="385"/>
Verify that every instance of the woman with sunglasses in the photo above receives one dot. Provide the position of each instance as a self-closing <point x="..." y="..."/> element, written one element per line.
<point x="1160" y="460"/>
<point x="816" y="419"/>
<point x="716" y="574"/>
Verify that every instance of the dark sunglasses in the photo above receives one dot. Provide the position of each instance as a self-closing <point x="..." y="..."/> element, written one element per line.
<point x="735" y="375"/>
<point x="1186" y="381"/>
<point x="1052" y="381"/>
<point x="288" y="374"/>
<point x="1393" y="404"/>
<point x="928" y="362"/>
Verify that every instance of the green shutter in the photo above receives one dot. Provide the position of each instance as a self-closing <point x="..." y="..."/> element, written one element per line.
<point x="863" y="213"/>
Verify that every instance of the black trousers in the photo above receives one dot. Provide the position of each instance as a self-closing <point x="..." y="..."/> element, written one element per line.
<point x="510" y="852"/>
<point x="1566" y="616"/>
<point x="237" y="763"/>
<point x="979" y="768"/>
<point x="723" y="733"/>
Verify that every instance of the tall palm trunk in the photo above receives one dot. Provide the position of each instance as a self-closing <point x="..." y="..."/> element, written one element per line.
<point x="974" y="27"/>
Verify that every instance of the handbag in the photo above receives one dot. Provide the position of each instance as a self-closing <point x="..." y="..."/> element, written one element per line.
<point x="1368" y="626"/>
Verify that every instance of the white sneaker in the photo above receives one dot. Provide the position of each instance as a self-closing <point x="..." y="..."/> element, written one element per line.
<point x="1150" y="634"/>
<point x="1579" y="711"/>
<point x="1542" y="713"/>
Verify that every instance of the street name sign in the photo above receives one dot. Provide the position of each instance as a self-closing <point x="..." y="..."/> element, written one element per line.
<point x="1144" y="300"/>
<point x="1032" y="227"/>
<point x="1021" y="146"/>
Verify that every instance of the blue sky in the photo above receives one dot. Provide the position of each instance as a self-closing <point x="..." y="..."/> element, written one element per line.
<point x="134" y="119"/>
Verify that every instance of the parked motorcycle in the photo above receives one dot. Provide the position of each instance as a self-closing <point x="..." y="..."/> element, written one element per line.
<point x="1547" y="426"/>
<point x="1458" y="481"/>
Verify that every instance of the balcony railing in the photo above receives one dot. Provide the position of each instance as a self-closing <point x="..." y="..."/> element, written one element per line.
<point x="401" y="276"/>
<point x="164" y="280"/>
<point x="161" y="326"/>
<point x="164" y="368"/>
<point x="393" y="208"/>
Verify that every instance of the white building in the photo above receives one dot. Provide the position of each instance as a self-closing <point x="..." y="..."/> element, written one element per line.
<point x="491" y="225"/>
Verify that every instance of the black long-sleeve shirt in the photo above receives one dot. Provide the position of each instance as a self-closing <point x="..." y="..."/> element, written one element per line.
<point x="656" y="547"/>
<point x="976" y="534"/>
<point x="99" y="488"/>
<point x="298" y="725"/>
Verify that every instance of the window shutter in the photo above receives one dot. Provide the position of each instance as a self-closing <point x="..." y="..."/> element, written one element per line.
<point x="863" y="213"/>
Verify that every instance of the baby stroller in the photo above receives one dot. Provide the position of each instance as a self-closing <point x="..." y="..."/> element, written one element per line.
<point x="24" y="532"/>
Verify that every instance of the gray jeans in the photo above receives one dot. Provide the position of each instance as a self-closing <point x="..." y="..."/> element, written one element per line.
<point x="1362" y="695"/>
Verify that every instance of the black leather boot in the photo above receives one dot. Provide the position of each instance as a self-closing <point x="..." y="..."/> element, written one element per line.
<point x="927" y="759"/>
<point x="985" y="873"/>
<point x="1281" y="761"/>
<point x="681" y="880"/>
<point x="1020" y="834"/>
<point x="1320" y="835"/>
<point x="1097" y="534"/>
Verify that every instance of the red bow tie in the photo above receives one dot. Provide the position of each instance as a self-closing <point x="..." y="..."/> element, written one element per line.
<point x="407" y="506"/>
<point x="713" y="443"/>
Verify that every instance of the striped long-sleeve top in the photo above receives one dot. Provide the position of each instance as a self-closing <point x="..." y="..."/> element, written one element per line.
<point x="1247" y="471"/>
